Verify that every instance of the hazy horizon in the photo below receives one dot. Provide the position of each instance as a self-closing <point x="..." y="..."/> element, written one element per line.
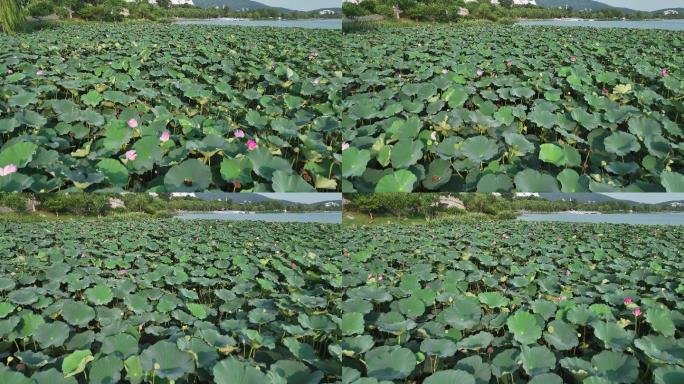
<point x="648" y="198"/>
<point x="641" y="5"/>
<point x="303" y="197"/>
<point x="303" y="5"/>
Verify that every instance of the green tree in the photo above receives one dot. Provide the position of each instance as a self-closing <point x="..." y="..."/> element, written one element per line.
<point x="41" y="8"/>
<point x="164" y="3"/>
<point x="428" y="204"/>
<point x="11" y="15"/>
<point x="368" y="203"/>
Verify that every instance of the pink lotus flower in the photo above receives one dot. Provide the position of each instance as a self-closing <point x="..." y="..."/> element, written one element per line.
<point x="370" y="275"/>
<point x="628" y="300"/>
<point x="345" y="146"/>
<point x="9" y="71"/>
<point x="606" y="91"/>
<point x="7" y="170"/>
<point x="40" y="72"/>
<point x="133" y="123"/>
<point x="165" y="136"/>
<point x="433" y="136"/>
<point x="379" y="277"/>
<point x="251" y="144"/>
<point x="316" y="81"/>
<point x="239" y="133"/>
<point x="490" y="350"/>
<point x="131" y="155"/>
<point x="480" y="72"/>
<point x="573" y="58"/>
<point x="636" y="311"/>
<point x="123" y="271"/>
<point x="567" y="272"/>
<point x="664" y="72"/>
<point x="509" y="63"/>
<point x="293" y="265"/>
<point x="445" y="71"/>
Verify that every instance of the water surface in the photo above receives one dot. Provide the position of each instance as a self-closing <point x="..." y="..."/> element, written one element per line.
<point x="663" y="218"/>
<point x="675" y="25"/>
<point x="307" y="217"/>
<point x="304" y="23"/>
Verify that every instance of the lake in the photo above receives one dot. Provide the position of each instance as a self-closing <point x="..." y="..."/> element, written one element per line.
<point x="665" y="218"/>
<point x="675" y="25"/>
<point x="308" y="217"/>
<point x="304" y="23"/>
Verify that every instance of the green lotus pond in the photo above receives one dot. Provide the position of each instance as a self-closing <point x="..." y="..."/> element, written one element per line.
<point x="152" y="107"/>
<point x="500" y="108"/>
<point x="164" y="301"/>
<point x="512" y="302"/>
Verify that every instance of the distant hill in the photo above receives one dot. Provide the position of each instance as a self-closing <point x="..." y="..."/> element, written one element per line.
<point x="581" y="197"/>
<point x="251" y="198"/>
<point x="587" y="197"/>
<point x="660" y="11"/>
<point x="578" y="5"/>
<point x="237" y="5"/>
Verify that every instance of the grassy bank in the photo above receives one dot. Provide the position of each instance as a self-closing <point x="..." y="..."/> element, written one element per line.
<point x="350" y="217"/>
<point x="41" y="216"/>
<point x="358" y="26"/>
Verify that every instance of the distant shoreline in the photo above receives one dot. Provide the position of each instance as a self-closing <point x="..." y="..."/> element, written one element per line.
<point x="175" y="19"/>
<point x="524" y="212"/>
<point x="181" y="212"/>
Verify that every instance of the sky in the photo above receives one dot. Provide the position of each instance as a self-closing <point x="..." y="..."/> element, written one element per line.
<point x="304" y="197"/>
<point x="641" y="5"/>
<point x="648" y="198"/>
<point x="303" y="5"/>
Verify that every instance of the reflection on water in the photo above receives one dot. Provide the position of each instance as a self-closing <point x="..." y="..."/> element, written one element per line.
<point x="306" y="23"/>
<point x="307" y="217"/>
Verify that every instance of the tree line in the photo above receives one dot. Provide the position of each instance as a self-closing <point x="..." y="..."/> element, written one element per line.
<point x="448" y="11"/>
<point x="13" y="12"/>
<point x="99" y="204"/>
<point x="502" y="205"/>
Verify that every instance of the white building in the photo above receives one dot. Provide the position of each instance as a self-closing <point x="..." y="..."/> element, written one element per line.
<point x="326" y="12"/>
<point x="522" y="195"/>
<point x="670" y="12"/>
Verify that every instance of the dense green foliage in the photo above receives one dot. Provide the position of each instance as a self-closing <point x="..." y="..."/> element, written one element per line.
<point x="499" y="108"/>
<point x="170" y="108"/>
<point x="159" y="300"/>
<point x="397" y="204"/>
<point x="511" y="302"/>
<point x="426" y="204"/>
<point x="119" y="10"/>
<point x="11" y="15"/>
<point x="447" y="11"/>
<point x="97" y="204"/>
